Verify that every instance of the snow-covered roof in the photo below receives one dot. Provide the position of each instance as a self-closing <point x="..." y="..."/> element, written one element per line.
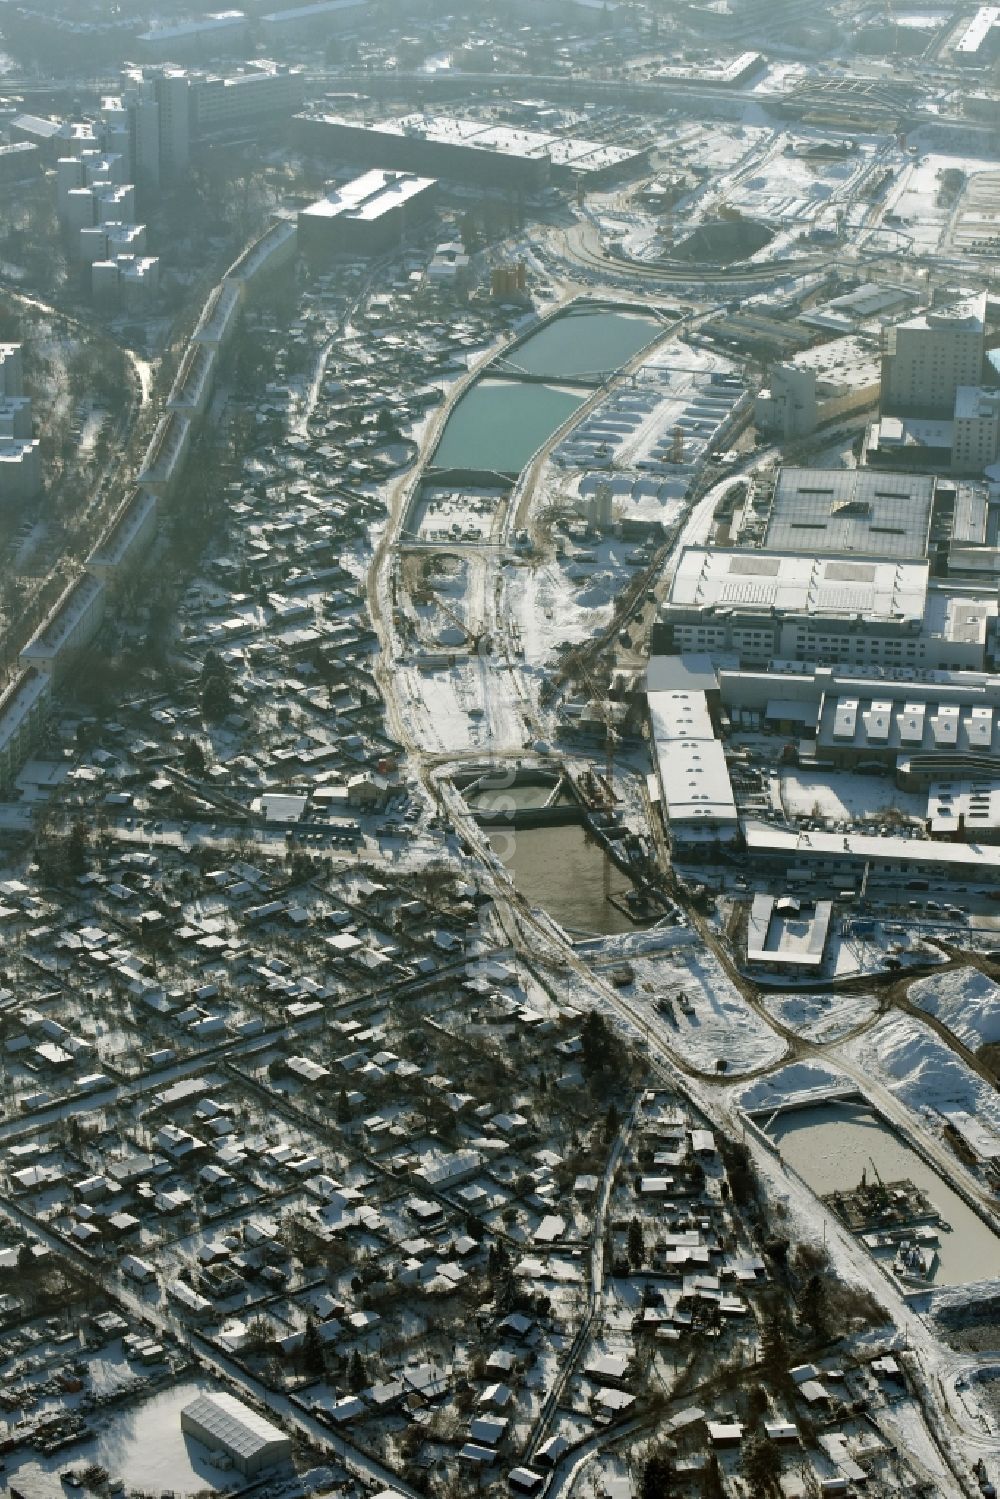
<point x="851" y="511"/>
<point x="369" y="196"/>
<point x="797" y="583"/>
<point x="236" y="1427"/>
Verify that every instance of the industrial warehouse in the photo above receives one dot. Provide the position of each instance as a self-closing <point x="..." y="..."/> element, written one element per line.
<point x="468" y="150"/>
<point x="224" y="1424"/>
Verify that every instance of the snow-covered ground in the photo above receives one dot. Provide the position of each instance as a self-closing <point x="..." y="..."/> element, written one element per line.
<point x="143" y="1444"/>
<point x="821" y="1017"/>
<point x="914" y="197"/>
<point x="781" y="78"/>
<point x="549" y="610"/>
<point x="965" y="1001"/>
<point x="920" y="1069"/>
<point x="786" y="188"/>
<point x="720" y="1025"/>
<point x="841" y="796"/>
<point x="715" y="147"/>
<point x="446" y="516"/>
<point x="795" y="1083"/>
<point x="468" y="706"/>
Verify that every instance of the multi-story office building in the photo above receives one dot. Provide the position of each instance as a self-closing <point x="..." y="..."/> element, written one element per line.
<point x="246" y="100"/>
<point x="819" y="385"/>
<point x="975" y="430"/>
<point x="171" y="109"/>
<point x="20" y="469"/>
<point x="20" y="456"/>
<point x="927" y="358"/>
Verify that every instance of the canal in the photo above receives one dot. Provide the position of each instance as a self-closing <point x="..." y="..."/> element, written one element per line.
<point x="561" y="869"/>
<point x="831" y="1144"/>
<point x="499" y="423"/>
<point x="496" y="426"/>
<point x="585" y="341"/>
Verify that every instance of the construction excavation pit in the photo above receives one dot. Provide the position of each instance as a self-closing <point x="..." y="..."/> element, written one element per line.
<point x="723" y="242"/>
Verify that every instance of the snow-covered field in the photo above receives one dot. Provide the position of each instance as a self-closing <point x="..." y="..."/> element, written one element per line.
<point x="468" y="706"/>
<point x="787" y="188"/>
<point x="781" y="78"/>
<point x="797" y="1081"/>
<point x="715" y="147"/>
<point x="143" y="1444"/>
<point x="914" y="197"/>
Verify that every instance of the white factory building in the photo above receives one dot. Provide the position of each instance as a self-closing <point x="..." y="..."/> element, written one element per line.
<point x="301" y="20"/>
<point x="923" y="726"/>
<point x="798" y="855"/>
<point x="211" y="36"/>
<point x="692" y="778"/>
<point x="980" y="41"/>
<point x="851" y="512"/>
<point x="861" y="611"/>
<point x="937" y="731"/>
<point x="370" y="213"/>
<point x="787" y="935"/>
<point x="224" y="1424"/>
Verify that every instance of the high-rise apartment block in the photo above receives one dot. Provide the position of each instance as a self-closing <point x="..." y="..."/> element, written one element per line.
<point x="171" y="109"/>
<point x="11" y="370"/>
<point x="20" y="459"/>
